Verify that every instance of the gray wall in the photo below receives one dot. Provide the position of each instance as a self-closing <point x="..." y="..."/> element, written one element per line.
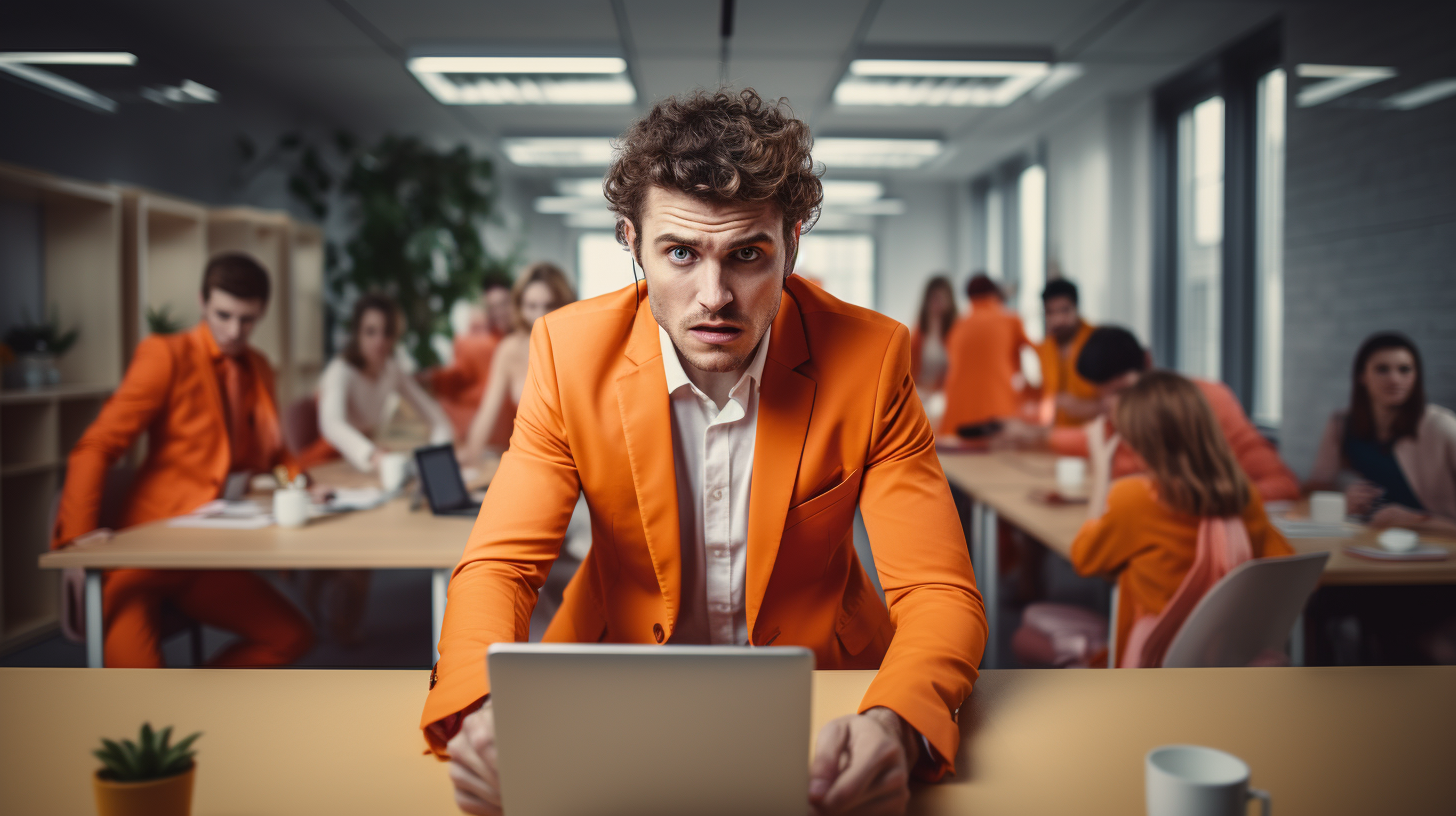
<point x="1370" y="212"/>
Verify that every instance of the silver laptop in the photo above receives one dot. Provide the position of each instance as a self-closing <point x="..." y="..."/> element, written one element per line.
<point x="596" y="730"/>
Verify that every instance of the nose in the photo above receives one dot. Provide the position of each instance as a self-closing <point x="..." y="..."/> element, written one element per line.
<point x="713" y="292"/>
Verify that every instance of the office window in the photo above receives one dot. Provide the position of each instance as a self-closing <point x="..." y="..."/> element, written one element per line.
<point x="842" y="263"/>
<point x="602" y="265"/>
<point x="1269" y="248"/>
<point x="1200" y="239"/>
<point x="1031" y="196"/>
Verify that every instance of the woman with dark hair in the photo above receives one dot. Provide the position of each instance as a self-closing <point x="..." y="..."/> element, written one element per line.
<point x="356" y="391"/>
<point x="1394" y="453"/>
<point x="938" y="313"/>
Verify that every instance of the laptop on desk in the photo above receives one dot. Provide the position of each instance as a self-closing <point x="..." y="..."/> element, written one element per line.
<point x="602" y="730"/>
<point x="441" y="483"/>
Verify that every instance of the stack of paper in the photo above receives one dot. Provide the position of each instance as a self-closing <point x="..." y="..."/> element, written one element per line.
<point x="226" y="515"/>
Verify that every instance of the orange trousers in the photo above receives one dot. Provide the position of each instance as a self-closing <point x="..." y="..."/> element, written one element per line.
<point x="271" y="630"/>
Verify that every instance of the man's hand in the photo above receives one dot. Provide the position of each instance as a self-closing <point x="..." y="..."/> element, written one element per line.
<point x="473" y="764"/>
<point x="1019" y="435"/>
<point x="1360" y="497"/>
<point x="1395" y="515"/>
<point x="862" y="765"/>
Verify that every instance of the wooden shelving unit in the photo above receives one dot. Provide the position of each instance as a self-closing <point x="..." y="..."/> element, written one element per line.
<point x="164" y="249"/>
<point x="80" y="274"/>
<point x="306" y="310"/>
<point x="263" y="234"/>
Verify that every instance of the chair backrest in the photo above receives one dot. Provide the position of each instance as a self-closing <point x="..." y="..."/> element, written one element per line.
<point x="1251" y="610"/>
<point x="300" y="424"/>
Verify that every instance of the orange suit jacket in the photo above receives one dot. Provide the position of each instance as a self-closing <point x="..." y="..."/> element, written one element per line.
<point x="170" y="391"/>
<point x="839" y="425"/>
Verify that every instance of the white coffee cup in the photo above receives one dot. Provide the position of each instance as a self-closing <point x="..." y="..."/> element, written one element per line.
<point x="393" y="470"/>
<point x="1327" y="507"/>
<point x="1398" y="540"/>
<point x="292" y="507"/>
<point x="1190" y="780"/>
<point x="1071" y="472"/>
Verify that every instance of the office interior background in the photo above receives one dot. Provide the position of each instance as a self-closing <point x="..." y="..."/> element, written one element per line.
<point x="1251" y="186"/>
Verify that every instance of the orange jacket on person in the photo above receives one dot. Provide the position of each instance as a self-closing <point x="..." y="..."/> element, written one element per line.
<point x="460" y="386"/>
<point x="1059" y="375"/>
<point x="1151" y="547"/>
<point x="171" y="391"/>
<point x="839" y="426"/>
<point x="984" y="348"/>
<point x="1270" y="477"/>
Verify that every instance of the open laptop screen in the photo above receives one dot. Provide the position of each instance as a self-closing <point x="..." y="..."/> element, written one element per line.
<point x="441" y="477"/>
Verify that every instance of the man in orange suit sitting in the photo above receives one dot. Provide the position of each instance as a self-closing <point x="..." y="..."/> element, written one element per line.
<point x="664" y="402"/>
<point x="205" y="400"/>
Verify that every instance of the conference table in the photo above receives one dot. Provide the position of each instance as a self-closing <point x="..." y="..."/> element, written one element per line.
<point x="400" y="534"/>
<point x="1002" y="484"/>
<point x="1327" y="741"/>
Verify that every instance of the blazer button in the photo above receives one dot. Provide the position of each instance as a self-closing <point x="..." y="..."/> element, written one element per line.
<point x="657" y="632"/>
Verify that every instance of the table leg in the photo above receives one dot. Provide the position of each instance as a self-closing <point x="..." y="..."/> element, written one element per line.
<point x="439" y="582"/>
<point x="95" y="632"/>
<point x="1112" y="628"/>
<point x="983" y="519"/>
<point x="1296" y="642"/>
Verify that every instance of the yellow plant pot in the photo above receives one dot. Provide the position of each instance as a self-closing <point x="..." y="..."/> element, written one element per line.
<point x="169" y="796"/>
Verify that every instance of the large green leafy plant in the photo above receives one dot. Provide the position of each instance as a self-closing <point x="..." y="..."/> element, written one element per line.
<point x="152" y="756"/>
<point x="414" y="218"/>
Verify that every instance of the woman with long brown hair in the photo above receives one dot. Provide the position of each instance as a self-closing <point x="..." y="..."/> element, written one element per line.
<point x="541" y="289"/>
<point x="927" y="337"/>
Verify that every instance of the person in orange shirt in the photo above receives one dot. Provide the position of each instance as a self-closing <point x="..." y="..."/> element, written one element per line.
<point x="984" y="348"/>
<point x="205" y="400"/>
<point x="460" y="386"/>
<point x="1067" y="399"/>
<point x="1113" y="361"/>
<point x="1149" y="536"/>
<point x="662" y="402"/>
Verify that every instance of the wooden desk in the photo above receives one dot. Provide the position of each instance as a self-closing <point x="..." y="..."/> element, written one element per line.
<point x="1322" y="741"/>
<point x="387" y="537"/>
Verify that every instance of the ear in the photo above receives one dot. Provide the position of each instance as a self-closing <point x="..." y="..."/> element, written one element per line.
<point x="794" y="249"/>
<point x="629" y="232"/>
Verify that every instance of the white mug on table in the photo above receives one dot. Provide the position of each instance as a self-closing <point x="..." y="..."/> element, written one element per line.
<point x="1190" y="780"/>
<point x="292" y="506"/>
<point x="1327" y="507"/>
<point x="393" y="470"/>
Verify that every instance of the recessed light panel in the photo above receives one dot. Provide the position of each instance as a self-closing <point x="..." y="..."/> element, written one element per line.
<point x="21" y="64"/>
<point x="946" y="83"/>
<point x="525" y="80"/>
<point x="559" y="151"/>
<point x="1338" y="81"/>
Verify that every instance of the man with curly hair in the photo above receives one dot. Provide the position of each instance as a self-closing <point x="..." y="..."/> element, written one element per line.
<point x="665" y="403"/>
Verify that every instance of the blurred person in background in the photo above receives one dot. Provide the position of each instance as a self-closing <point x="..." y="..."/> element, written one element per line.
<point x="928" y="359"/>
<point x="984" y="350"/>
<point x="460" y="386"/>
<point x="541" y="289"/>
<point x="1067" y="399"/>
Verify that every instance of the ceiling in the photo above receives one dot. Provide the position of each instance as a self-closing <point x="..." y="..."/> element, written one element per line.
<point x="340" y="63"/>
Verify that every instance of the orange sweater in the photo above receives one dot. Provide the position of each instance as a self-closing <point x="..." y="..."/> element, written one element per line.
<point x="1152" y="546"/>
<point x="1059" y="374"/>
<point x="1271" y="478"/>
<point x="984" y="348"/>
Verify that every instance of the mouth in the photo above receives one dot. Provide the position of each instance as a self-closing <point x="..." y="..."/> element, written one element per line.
<point x="715" y="335"/>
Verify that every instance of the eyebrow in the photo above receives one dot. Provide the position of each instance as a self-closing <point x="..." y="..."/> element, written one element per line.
<point x="678" y="240"/>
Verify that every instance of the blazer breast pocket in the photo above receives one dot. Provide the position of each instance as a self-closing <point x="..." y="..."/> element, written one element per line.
<point x="815" y="528"/>
<point x="827" y="501"/>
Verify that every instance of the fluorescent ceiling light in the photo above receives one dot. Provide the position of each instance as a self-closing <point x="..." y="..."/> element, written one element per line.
<point x="852" y="192"/>
<point x="566" y="151"/>
<point x="525" y="80"/>
<point x="1433" y="91"/>
<point x="948" y="83"/>
<point x="900" y="153"/>
<point x="580" y="187"/>
<point x="188" y="93"/>
<point x="600" y="219"/>
<point x="1061" y="75"/>
<point x="1338" y="81"/>
<point x="564" y="205"/>
<point x="68" y="57"/>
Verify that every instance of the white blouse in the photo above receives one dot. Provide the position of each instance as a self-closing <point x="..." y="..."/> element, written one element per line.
<point x="352" y="408"/>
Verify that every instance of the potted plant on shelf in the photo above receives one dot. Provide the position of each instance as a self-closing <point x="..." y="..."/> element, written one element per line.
<point x="149" y="777"/>
<point x="36" y="347"/>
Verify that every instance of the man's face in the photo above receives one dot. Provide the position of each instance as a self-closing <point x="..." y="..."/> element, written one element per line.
<point x="715" y="273"/>
<point x="1109" y="391"/>
<point x="497" y="300"/>
<point x="1062" y="319"/>
<point x="231" y="320"/>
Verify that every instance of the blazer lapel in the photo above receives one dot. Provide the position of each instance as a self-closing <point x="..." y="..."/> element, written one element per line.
<point x="647" y="424"/>
<point x="202" y="346"/>
<point x="785" y="404"/>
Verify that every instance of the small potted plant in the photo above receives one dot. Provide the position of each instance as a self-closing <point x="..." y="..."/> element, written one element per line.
<point x="37" y="345"/>
<point x="150" y="777"/>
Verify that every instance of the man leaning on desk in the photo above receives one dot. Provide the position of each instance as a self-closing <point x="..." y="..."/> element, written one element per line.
<point x="665" y="403"/>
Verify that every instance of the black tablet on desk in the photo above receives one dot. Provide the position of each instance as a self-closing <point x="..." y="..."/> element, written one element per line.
<point x="441" y="483"/>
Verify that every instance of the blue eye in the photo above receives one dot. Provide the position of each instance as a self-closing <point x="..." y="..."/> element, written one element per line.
<point x="749" y="254"/>
<point x="679" y="253"/>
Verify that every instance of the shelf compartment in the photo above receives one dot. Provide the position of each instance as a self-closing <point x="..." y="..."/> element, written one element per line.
<point x="28" y="433"/>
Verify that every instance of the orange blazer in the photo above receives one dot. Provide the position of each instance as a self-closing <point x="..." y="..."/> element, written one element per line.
<point x="839" y="425"/>
<point x="984" y="348"/>
<point x="170" y="391"/>
<point x="1151" y="547"/>
<point x="1059" y="375"/>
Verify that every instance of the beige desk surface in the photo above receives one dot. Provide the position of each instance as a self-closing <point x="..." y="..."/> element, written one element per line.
<point x="388" y="537"/>
<point x="1322" y="741"/>
<point x="1004" y="481"/>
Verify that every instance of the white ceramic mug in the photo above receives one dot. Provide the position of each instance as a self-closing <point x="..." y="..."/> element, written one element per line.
<point x="1327" y="507"/>
<point x="291" y="507"/>
<point x="393" y="470"/>
<point x="1190" y="780"/>
<point x="1071" y="472"/>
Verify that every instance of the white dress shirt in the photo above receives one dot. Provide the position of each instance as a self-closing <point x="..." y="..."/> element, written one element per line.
<point x="712" y="453"/>
<point x="353" y="407"/>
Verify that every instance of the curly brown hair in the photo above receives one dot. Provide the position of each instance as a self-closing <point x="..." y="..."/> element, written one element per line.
<point x="724" y="146"/>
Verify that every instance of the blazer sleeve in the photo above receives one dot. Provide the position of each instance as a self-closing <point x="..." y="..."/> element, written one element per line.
<point x="920" y="552"/>
<point x="1105" y="544"/>
<point x="493" y="589"/>
<point x="135" y="404"/>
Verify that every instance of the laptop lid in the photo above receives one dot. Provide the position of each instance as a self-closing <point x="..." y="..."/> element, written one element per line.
<point x="599" y="730"/>
<point x="440" y="477"/>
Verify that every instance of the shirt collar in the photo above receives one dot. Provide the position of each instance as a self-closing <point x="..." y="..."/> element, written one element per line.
<point x="209" y="343"/>
<point x="677" y="377"/>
